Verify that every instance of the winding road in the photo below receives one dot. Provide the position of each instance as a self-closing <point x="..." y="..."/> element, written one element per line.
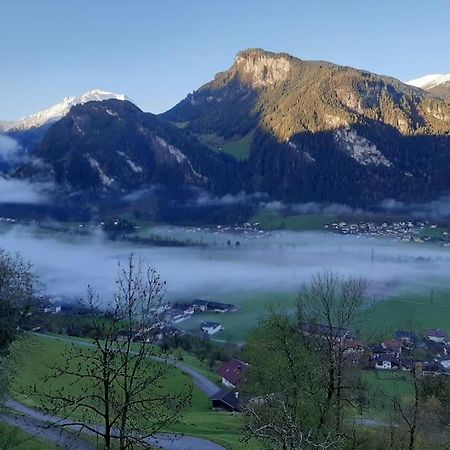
<point x="48" y="427"/>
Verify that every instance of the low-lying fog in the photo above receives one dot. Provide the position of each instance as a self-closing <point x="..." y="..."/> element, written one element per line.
<point x="280" y="262"/>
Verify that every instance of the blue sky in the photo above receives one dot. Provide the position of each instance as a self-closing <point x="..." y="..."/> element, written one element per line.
<point x="156" y="51"/>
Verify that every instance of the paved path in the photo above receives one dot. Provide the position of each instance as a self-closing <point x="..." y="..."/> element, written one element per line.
<point x="203" y="383"/>
<point x="63" y="439"/>
<point x="45" y="427"/>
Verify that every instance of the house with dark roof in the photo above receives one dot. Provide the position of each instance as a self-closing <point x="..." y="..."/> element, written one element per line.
<point x="436" y="335"/>
<point x="226" y="399"/>
<point x="233" y="373"/>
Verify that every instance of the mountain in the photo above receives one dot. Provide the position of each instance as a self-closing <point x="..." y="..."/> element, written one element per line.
<point x="111" y="146"/>
<point x="438" y="85"/>
<point x="313" y="130"/>
<point x="28" y="131"/>
<point x="58" y="111"/>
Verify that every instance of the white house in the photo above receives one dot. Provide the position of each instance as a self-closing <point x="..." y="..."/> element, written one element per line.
<point x="210" y="327"/>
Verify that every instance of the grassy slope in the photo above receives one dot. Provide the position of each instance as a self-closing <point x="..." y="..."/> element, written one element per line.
<point x="418" y="311"/>
<point x="270" y="219"/>
<point x="14" y="438"/>
<point x="38" y="354"/>
<point x="239" y="148"/>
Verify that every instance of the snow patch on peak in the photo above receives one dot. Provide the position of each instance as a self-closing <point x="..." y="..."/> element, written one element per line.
<point x="59" y="110"/>
<point x="429" y="81"/>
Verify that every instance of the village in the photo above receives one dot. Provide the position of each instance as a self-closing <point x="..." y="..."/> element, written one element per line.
<point x="426" y="353"/>
<point x="406" y="231"/>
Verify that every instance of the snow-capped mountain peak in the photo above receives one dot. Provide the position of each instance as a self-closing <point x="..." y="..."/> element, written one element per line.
<point x="59" y="110"/>
<point x="429" y="81"/>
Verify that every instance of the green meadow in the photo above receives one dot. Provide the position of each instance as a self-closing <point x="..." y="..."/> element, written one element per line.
<point x="36" y="355"/>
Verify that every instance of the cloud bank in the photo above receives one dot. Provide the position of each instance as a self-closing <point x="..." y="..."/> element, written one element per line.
<point x="24" y="192"/>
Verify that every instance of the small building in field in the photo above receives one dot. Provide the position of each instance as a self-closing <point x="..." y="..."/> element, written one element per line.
<point x="233" y="373"/>
<point x="210" y="327"/>
<point x="227" y="400"/>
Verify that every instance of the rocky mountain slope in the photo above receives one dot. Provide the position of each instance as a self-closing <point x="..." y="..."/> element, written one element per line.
<point x="324" y="132"/>
<point x="28" y="131"/>
<point x="113" y="147"/>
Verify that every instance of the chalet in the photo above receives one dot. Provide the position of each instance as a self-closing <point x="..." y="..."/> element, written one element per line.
<point x="210" y="327"/>
<point x="233" y="373"/>
<point x="226" y="399"/>
<point x="387" y="362"/>
<point x="436" y="336"/>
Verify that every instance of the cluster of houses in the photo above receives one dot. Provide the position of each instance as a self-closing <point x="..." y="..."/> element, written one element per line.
<point x="398" y="231"/>
<point x="400" y="353"/>
<point x="183" y="311"/>
<point x="430" y="355"/>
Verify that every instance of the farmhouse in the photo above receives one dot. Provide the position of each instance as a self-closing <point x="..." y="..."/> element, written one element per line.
<point x="233" y="373"/>
<point x="226" y="399"/>
<point x="210" y="327"/>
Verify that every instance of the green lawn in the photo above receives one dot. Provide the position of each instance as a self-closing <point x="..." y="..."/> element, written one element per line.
<point x="237" y="147"/>
<point x="237" y="325"/>
<point x="270" y="219"/>
<point x="13" y="438"/>
<point x="37" y="354"/>
<point x="416" y="311"/>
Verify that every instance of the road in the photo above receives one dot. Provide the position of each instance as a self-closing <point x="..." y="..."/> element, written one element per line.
<point x="47" y="427"/>
<point x="37" y="423"/>
<point x="204" y="384"/>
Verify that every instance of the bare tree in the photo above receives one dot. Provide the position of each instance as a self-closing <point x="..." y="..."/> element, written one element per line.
<point x="123" y="378"/>
<point x="327" y="307"/>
